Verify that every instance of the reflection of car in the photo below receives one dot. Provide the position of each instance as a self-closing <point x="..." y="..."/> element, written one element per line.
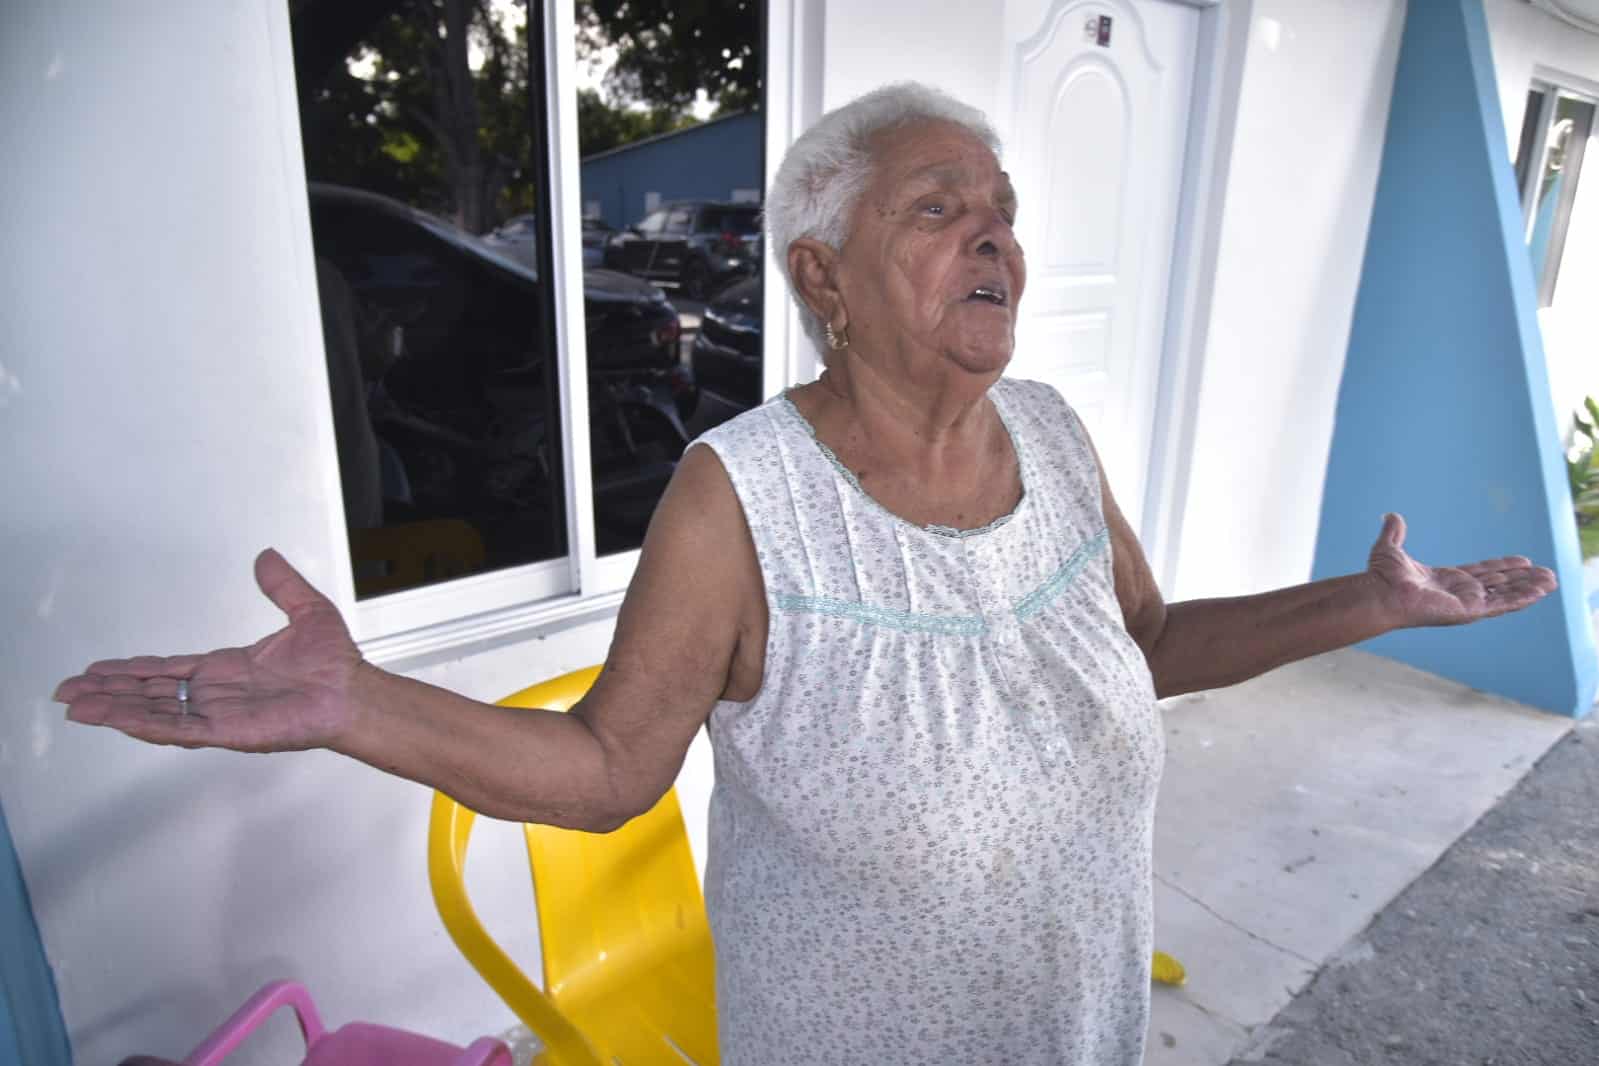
<point x="696" y="245"/>
<point x="727" y="351"/>
<point x="517" y="237"/>
<point x="463" y="392"/>
<point x="596" y="233"/>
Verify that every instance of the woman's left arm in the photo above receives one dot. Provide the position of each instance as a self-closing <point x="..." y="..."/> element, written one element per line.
<point x="1200" y="644"/>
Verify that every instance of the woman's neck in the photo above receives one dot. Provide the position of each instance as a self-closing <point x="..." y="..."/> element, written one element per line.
<point x="903" y="411"/>
<point x="933" y="455"/>
<point x="904" y="430"/>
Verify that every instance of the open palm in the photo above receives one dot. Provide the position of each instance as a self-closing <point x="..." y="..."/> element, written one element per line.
<point x="287" y="691"/>
<point x="1453" y="595"/>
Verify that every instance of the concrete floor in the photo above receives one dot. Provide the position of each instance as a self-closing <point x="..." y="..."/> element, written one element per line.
<point x="1294" y="808"/>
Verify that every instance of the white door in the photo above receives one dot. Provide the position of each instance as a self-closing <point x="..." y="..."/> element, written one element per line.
<point x="1099" y="97"/>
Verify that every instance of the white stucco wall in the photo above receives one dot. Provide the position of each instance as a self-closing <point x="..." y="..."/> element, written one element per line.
<point x="1527" y="44"/>
<point x="164" y="415"/>
<point x="1301" y="179"/>
<point x="954" y="47"/>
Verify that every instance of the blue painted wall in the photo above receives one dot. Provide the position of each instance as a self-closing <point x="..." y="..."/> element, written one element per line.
<point x="704" y="162"/>
<point x="31" y="1031"/>
<point x="1444" y="411"/>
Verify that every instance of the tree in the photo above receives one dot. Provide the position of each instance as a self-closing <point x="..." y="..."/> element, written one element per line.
<point x="602" y="125"/>
<point x="418" y="123"/>
<point x="668" y="50"/>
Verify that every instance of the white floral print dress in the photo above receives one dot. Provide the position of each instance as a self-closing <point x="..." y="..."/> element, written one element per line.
<point x="930" y="830"/>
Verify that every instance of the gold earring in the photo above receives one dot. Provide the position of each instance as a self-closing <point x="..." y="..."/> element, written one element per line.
<point x="838" y="340"/>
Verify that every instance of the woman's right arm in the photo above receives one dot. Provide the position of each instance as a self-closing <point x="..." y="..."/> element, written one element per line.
<point x="692" y="618"/>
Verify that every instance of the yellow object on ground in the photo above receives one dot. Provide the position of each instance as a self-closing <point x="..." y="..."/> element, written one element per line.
<point x="1167" y="970"/>
<point x="629" y="974"/>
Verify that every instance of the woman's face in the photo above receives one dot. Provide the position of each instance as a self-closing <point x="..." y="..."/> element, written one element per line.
<point x="931" y="265"/>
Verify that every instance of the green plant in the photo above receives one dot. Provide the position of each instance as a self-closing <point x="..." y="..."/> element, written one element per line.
<point x="1582" y="469"/>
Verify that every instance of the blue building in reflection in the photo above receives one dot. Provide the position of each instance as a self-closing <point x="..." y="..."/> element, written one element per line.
<point x="716" y="160"/>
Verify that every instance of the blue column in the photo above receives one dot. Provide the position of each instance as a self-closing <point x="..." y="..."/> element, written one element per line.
<point x="1444" y="411"/>
<point x="30" y="1018"/>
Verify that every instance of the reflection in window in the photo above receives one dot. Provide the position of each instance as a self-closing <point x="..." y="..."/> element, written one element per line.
<point x="671" y="132"/>
<point x="426" y="154"/>
<point x="422" y="133"/>
<point x="1554" y="138"/>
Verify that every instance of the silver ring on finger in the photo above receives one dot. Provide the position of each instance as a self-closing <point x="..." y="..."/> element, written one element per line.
<point x="183" y="695"/>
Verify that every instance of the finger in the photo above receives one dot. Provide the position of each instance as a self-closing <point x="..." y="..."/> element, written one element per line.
<point x="1491" y="566"/>
<point x="284" y="585"/>
<point x="147" y="666"/>
<point x="1540" y="575"/>
<point x="1541" y="580"/>
<point x="75" y="688"/>
<point x="123" y="685"/>
<point x="1515" y="595"/>
<point x="159" y="693"/>
<point x="138" y="718"/>
<point x="1393" y="530"/>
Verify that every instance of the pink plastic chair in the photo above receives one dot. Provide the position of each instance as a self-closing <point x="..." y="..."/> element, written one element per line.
<point x="356" y="1044"/>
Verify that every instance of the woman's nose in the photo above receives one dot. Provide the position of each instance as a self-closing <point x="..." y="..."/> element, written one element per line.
<point x="993" y="236"/>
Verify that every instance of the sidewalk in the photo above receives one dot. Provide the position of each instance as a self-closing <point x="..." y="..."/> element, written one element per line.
<point x="1491" y="957"/>
<point x="1295" y="808"/>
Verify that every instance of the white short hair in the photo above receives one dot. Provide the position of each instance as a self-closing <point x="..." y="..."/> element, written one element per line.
<point x="825" y="171"/>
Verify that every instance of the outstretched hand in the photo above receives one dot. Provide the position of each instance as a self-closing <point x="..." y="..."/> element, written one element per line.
<point x="286" y="692"/>
<point x="1422" y="595"/>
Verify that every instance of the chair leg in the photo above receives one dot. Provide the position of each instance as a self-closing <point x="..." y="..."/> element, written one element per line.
<point x="485" y="1051"/>
<point x="231" y="1033"/>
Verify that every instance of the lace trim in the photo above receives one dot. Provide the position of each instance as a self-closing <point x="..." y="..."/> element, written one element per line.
<point x="960" y="625"/>
<point x="1046" y="593"/>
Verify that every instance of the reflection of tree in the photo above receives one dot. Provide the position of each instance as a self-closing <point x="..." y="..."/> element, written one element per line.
<point x="390" y="99"/>
<point x="668" y="50"/>
<point x="602" y="125"/>
<point x="390" y="102"/>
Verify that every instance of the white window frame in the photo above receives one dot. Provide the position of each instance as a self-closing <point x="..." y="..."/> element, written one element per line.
<point x="1554" y="87"/>
<point x="455" y="617"/>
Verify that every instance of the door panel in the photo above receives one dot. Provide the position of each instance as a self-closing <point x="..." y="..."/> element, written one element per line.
<point x="1095" y="137"/>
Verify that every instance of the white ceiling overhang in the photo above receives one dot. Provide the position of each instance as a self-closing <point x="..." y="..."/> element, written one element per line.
<point x="1581" y="13"/>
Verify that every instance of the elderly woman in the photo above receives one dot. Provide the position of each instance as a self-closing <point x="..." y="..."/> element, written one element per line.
<point x="925" y="642"/>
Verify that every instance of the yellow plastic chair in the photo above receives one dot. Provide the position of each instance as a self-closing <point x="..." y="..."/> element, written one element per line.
<point x="629" y="974"/>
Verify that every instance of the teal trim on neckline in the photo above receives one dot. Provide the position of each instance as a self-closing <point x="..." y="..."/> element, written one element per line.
<point x="959" y="625"/>
<point x="1045" y="594"/>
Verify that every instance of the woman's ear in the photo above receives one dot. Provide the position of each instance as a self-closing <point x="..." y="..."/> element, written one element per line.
<point x="812" y="267"/>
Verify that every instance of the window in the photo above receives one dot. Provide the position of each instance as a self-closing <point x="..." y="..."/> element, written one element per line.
<point x="653" y="223"/>
<point x="490" y="456"/>
<point x="744" y="222"/>
<point x="679" y="221"/>
<point x="1554" y="139"/>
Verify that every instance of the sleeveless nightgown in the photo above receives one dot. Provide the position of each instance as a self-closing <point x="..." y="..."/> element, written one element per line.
<point x="930" y="831"/>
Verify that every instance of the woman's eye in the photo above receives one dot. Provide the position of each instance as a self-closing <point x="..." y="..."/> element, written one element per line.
<point x="933" y="209"/>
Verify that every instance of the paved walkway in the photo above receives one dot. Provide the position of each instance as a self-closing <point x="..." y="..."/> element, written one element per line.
<point x="1299" y="806"/>
<point x="1491" y="956"/>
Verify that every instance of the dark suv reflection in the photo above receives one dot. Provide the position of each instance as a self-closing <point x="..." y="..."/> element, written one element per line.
<point x="462" y="394"/>
<point x="697" y="245"/>
<point x="727" y="353"/>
